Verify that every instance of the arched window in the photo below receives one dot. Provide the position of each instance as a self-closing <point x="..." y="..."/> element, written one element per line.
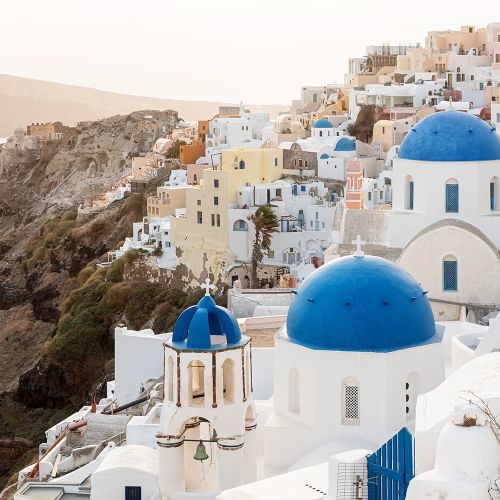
<point x="321" y="133"/>
<point x="170" y="378"/>
<point x="450" y="274"/>
<point x="350" y="401"/>
<point x="196" y="387"/>
<point x="294" y="391"/>
<point x="228" y="381"/>
<point x="409" y="192"/>
<point x="412" y="390"/>
<point x="240" y="225"/>
<point x="242" y="164"/>
<point x="452" y="196"/>
<point x="494" y="194"/>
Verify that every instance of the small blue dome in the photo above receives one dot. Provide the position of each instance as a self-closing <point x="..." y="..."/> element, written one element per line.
<point x="360" y="304"/>
<point x="324" y="156"/>
<point x="322" y="123"/>
<point x="196" y="325"/>
<point x="451" y="136"/>
<point x="345" y="144"/>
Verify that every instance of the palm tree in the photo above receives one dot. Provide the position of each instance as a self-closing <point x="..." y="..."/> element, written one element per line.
<point x="266" y="223"/>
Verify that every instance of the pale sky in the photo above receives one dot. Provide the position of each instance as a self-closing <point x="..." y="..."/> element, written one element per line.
<point x="261" y="51"/>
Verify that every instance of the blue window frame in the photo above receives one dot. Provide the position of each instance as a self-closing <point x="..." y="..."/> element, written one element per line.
<point x="450" y="278"/>
<point x="452" y="198"/>
<point x="411" y="193"/>
<point x="242" y="164"/>
<point x="302" y="189"/>
<point x="492" y="196"/>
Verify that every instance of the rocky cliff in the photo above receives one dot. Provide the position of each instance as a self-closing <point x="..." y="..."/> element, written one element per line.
<point x="43" y="249"/>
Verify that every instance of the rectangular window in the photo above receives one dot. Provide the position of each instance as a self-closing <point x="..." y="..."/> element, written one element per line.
<point x="303" y="189"/>
<point x="133" y="493"/>
<point x="216" y="183"/>
<point x="199" y="216"/>
<point x="351" y="404"/>
<point x="278" y="192"/>
<point x="450" y="269"/>
<point x="481" y="86"/>
<point x="276" y="162"/>
<point x="452" y="198"/>
<point x="218" y="220"/>
<point x="492" y="196"/>
<point x="270" y="254"/>
<point x="216" y="200"/>
<point x="213" y="219"/>
<point x="412" y="190"/>
<point x="198" y="202"/>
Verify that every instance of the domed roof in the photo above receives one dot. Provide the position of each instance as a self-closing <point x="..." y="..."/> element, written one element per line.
<point x="324" y="156"/>
<point x="345" y="144"/>
<point x="322" y="123"/>
<point x="203" y="326"/>
<point x="451" y="136"/>
<point x="360" y="303"/>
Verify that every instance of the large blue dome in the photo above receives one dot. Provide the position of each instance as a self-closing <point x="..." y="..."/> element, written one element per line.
<point x="360" y="304"/>
<point x="322" y="123"/>
<point x="451" y="136"/>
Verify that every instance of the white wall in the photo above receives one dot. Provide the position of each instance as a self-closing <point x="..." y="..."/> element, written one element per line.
<point x="138" y="357"/>
<point x="382" y="404"/>
<point x="429" y="197"/>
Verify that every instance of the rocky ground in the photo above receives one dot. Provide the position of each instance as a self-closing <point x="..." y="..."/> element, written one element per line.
<point x="43" y="249"/>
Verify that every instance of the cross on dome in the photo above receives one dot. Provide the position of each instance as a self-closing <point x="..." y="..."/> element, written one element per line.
<point x="358" y="242"/>
<point x="208" y="286"/>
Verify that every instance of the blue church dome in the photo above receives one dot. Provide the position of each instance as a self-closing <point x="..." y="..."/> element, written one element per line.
<point x="203" y="327"/>
<point x="360" y="303"/>
<point x="324" y="156"/>
<point x="451" y="136"/>
<point x="345" y="144"/>
<point x="322" y="123"/>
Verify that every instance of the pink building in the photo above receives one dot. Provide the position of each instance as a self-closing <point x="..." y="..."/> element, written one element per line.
<point x="354" y="185"/>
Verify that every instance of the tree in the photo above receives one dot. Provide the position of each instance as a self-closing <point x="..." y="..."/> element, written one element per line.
<point x="175" y="150"/>
<point x="266" y="222"/>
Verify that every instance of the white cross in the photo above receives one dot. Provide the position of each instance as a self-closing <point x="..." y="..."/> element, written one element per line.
<point x="358" y="242"/>
<point x="207" y="287"/>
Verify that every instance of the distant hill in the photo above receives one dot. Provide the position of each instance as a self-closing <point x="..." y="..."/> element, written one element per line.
<point x="23" y="101"/>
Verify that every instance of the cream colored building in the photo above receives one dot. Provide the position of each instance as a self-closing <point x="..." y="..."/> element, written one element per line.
<point x="202" y="236"/>
<point x="391" y="132"/>
<point x="167" y="200"/>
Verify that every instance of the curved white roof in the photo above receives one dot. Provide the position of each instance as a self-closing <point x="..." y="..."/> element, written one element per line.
<point x="132" y="456"/>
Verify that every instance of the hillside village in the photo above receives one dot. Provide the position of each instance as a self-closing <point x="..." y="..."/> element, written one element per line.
<point x="371" y="205"/>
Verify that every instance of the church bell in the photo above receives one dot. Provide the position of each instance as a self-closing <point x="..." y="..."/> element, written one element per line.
<point x="201" y="452"/>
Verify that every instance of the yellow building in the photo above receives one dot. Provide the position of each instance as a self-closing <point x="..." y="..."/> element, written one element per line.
<point x="391" y="132"/>
<point x="202" y="236"/>
<point x="167" y="200"/>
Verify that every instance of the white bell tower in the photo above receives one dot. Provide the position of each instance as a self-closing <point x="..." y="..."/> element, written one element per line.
<point x="208" y="414"/>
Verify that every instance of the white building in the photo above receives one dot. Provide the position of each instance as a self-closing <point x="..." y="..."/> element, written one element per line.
<point x="243" y="131"/>
<point x="305" y="213"/>
<point x="446" y="207"/>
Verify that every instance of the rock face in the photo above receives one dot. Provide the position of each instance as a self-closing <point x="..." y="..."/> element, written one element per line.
<point x="36" y="185"/>
<point x="12" y="450"/>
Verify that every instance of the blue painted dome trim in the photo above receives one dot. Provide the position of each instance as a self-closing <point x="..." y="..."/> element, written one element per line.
<point x="451" y="136"/>
<point x="345" y="144"/>
<point x="361" y="304"/>
<point x="322" y="123"/>
<point x="195" y="326"/>
<point x="324" y="156"/>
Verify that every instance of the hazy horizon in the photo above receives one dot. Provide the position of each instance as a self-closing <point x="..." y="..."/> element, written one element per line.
<point x="261" y="52"/>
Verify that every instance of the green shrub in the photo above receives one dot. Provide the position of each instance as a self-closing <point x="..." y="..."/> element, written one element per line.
<point x="142" y="301"/>
<point x="116" y="297"/>
<point x="85" y="274"/>
<point x="70" y="215"/>
<point x="115" y="271"/>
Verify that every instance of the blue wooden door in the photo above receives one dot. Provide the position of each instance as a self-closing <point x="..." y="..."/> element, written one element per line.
<point x="391" y="468"/>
